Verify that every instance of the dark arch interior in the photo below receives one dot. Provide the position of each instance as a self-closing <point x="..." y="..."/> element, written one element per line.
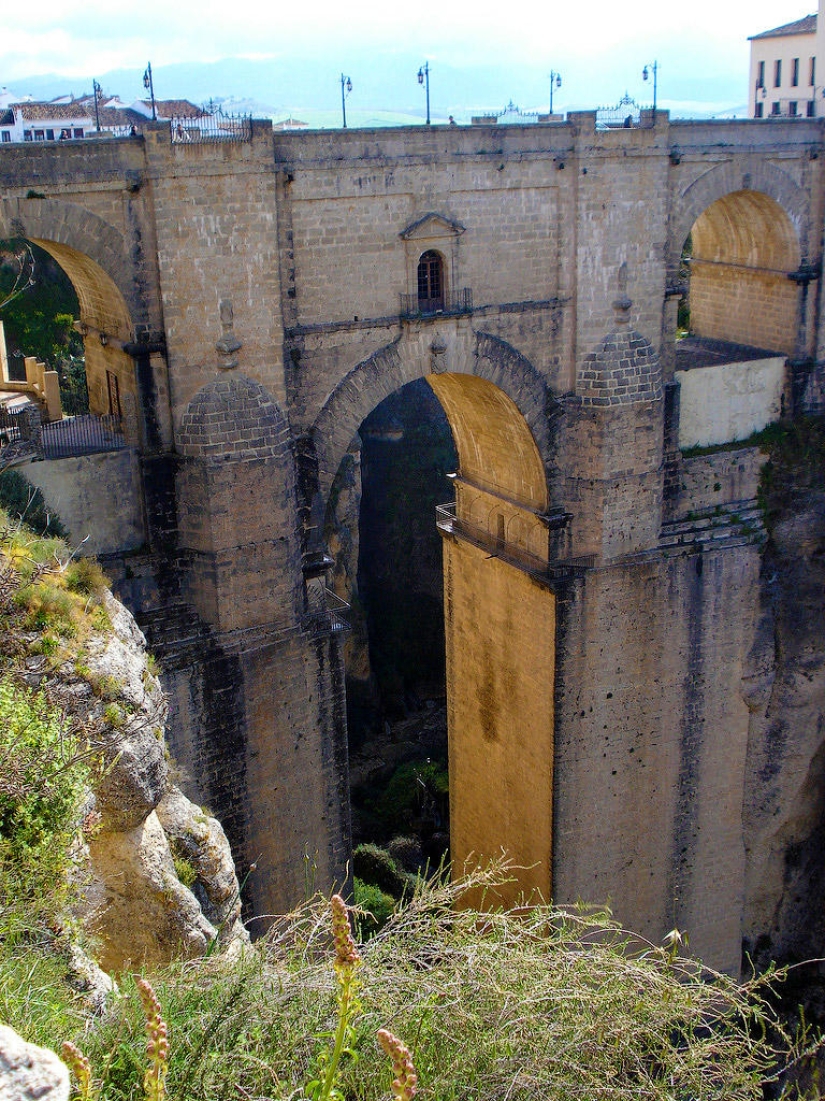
<point x="381" y="531"/>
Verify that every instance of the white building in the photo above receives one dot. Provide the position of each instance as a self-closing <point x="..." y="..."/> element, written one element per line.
<point x="787" y="71"/>
<point x="68" y="118"/>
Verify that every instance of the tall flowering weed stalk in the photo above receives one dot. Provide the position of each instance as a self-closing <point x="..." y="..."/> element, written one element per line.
<point x="346" y="963"/>
<point x="80" y="1067"/>
<point x="157" y="1053"/>
<point x="157" y="1044"/>
<point x="405" y="1079"/>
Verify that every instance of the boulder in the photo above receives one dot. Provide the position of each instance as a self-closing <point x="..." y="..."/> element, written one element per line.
<point x="28" y="1072"/>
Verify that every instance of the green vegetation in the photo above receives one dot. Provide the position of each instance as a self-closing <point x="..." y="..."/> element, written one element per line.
<point x="38" y="306"/>
<point x="23" y="501"/>
<point x="49" y="602"/>
<point x="539" y="1003"/>
<point x="417" y="793"/>
<point x="795" y="466"/>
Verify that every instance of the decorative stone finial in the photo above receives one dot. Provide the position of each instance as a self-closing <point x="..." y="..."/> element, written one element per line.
<point x="437" y="349"/>
<point x="622" y="304"/>
<point x="228" y="344"/>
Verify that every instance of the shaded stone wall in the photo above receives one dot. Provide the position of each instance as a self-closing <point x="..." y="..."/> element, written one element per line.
<point x="652" y="742"/>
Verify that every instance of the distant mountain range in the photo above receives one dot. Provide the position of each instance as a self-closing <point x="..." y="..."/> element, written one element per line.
<point x="385" y="89"/>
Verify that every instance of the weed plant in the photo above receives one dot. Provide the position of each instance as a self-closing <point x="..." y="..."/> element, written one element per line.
<point x="501" y="1005"/>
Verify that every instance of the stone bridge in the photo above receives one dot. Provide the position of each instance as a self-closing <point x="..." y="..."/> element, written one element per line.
<point x="248" y="303"/>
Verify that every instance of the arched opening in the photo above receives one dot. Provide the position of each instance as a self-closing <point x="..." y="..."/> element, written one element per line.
<point x="740" y="256"/>
<point x="38" y="308"/>
<point x="431" y="282"/>
<point x="740" y="319"/>
<point x="499" y="628"/>
<point x="69" y="389"/>
<point x="381" y="532"/>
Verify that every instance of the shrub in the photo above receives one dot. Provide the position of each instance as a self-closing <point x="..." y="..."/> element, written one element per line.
<point x="25" y="502"/>
<point x="376" y="907"/>
<point x="504" y="1005"/>
<point x="43" y="778"/>
<point x="375" y="866"/>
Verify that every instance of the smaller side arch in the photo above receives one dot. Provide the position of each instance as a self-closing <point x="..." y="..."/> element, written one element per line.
<point x="72" y="235"/>
<point x="732" y="176"/>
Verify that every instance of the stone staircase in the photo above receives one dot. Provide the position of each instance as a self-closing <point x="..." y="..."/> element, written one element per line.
<point x="736" y="524"/>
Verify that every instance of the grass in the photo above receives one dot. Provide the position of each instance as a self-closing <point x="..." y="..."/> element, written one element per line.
<point x="501" y="1006"/>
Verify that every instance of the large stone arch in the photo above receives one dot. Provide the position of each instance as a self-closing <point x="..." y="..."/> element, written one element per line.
<point x="460" y="352"/>
<point x="741" y="174"/>
<point x="496" y="549"/>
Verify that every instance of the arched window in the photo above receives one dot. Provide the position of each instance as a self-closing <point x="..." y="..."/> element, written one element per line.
<point x="430" y="282"/>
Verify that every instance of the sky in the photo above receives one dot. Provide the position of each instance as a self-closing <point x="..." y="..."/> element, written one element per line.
<point x="479" y="54"/>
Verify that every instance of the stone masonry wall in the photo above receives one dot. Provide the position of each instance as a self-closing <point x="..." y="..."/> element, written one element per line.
<point x="651" y="744"/>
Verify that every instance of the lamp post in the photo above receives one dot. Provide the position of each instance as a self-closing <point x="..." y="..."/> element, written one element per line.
<point x="97" y="91"/>
<point x="555" y="82"/>
<point x="148" y="84"/>
<point x="654" y="66"/>
<point x="424" y="78"/>
<point x="346" y="88"/>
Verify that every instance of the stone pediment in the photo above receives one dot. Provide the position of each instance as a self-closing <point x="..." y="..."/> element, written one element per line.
<point x="431" y="225"/>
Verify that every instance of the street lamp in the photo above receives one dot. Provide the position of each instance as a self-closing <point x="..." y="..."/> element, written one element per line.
<point x="424" y="78"/>
<point x="555" y="82"/>
<point x="645" y="74"/>
<point x="148" y="84"/>
<point x="346" y="88"/>
<point x="97" y="92"/>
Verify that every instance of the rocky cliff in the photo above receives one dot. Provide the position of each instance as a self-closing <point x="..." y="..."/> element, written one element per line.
<point x="154" y="876"/>
<point x="785" y="692"/>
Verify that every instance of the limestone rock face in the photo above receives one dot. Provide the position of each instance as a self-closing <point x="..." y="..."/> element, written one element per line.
<point x="28" y="1072"/>
<point x="785" y="817"/>
<point x="200" y="838"/>
<point x="144" y="916"/>
<point x="135" y="776"/>
<point x="138" y="911"/>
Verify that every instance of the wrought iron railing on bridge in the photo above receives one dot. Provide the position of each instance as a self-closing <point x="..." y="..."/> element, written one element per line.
<point x="216" y="127"/>
<point x="454" y="302"/>
<point x="625" y="114"/>
<point x="83" y="435"/>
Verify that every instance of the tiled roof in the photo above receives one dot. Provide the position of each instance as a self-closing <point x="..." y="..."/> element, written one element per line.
<point x="807" y="25"/>
<point x="117" y="117"/>
<point x="175" y="109"/>
<point x="44" y="112"/>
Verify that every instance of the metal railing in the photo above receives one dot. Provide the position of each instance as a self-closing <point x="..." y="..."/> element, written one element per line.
<point x="217" y="127"/>
<point x="454" y="302"/>
<point x="19" y="424"/>
<point x="447" y="521"/>
<point x="338" y="611"/>
<point x="333" y="620"/>
<point x="84" y="435"/>
<point x="625" y="114"/>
